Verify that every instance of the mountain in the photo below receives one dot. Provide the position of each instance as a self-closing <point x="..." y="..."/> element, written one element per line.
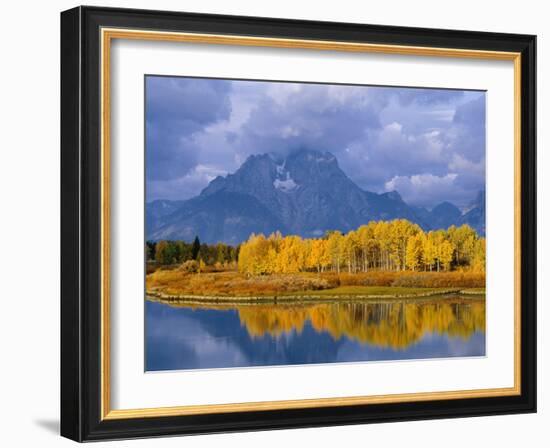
<point x="444" y="215"/>
<point x="475" y="214"/>
<point x="306" y="193"/>
<point x="309" y="192"/>
<point x="156" y="211"/>
<point x="226" y="216"/>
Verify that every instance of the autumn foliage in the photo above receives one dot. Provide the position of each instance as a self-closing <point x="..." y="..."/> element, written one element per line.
<point x="230" y="283"/>
<point x="397" y="245"/>
<point x="395" y="325"/>
<point x="387" y="254"/>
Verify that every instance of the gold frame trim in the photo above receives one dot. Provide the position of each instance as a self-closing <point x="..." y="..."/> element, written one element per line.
<point x="107" y="35"/>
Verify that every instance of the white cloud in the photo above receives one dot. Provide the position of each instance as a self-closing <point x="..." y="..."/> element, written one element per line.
<point x="459" y="163"/>
<point x="394" y="127"/>
<point x="383" y="138"/>
<point x="426" y="189"/>
<point x="421" y="181"/>
<point x="192" y="183"/>
<point x="441" y="114"/>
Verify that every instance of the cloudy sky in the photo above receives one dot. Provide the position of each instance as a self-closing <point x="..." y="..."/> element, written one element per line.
<point x="428" y="144"/>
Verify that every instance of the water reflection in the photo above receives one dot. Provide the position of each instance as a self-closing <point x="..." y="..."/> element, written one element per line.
<point x="187" y="337"/>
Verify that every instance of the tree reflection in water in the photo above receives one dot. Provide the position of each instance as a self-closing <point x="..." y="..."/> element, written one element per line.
<point x="392" y="324"/>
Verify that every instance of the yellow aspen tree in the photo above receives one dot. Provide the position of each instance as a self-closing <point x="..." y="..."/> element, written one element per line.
<point x="414" y="251"/>
<point x="324" y="260"/>
<point x="261" y="255"/>
<point x="316" y="249"/>
<point x="202" y="265"/>
<point x="429" y="251"/>
<point x="446" y="254"/>
<point x="349" y="245"/>
<point x="244" y="257"/>
<point x="364" y="237"/>
<point x="478" y="260"/>
<point x="381" y="232"/>
<point x="292" y="255"/>
<point x="334" y="247"/>
<point x="463" y="238"/>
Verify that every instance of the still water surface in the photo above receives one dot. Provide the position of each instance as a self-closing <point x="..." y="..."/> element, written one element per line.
<point x="211" y="336"/>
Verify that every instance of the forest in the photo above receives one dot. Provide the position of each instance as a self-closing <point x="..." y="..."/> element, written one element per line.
<point x="380" y="258"/>
<point x="166" y="253"/>
<point x="384" y="245"/>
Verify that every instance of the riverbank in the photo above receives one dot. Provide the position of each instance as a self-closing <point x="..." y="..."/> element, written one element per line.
<point x="344" y="294"/>
<point x="220" y="285"/>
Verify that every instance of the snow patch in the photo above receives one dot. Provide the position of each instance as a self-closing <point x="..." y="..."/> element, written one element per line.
<point x="327" y="158"/>
<point x="281" y="168"/>
<point x="285" y="185"/>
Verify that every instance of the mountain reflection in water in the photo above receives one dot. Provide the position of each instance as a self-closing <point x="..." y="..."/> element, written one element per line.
<point x="210" y="336"/>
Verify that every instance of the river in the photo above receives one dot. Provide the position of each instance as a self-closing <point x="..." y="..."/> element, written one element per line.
<point x="213" y="336"/>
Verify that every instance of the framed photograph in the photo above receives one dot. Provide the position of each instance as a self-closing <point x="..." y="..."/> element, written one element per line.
<point x="276" y="224"/>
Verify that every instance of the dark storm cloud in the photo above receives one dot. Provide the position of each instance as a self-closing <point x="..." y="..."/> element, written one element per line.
<point x="429" y="144"/>
<point x="469" y="124"/>
<point x="426" y="97"/>
<point x="308" y="116"/>
<point x="178" y="109"/>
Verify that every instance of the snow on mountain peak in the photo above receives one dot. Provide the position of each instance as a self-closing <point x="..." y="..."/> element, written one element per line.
<point x="286" y="185"/>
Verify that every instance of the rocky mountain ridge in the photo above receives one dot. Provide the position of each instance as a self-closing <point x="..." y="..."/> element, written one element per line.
<point x="306" y="194"/>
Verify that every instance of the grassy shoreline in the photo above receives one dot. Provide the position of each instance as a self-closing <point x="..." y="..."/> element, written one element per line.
<point x="217" y="285"/>
<point x="356" y="293"/>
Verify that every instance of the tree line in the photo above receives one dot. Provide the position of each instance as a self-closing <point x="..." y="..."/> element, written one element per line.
<point x="176" y="252"/>
<point x="381" y="245"/>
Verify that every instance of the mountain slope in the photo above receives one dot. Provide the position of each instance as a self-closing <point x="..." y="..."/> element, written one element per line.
<point x="305" y="193"/>
<point x="310" y="193"/>
<point x="444" y="215"/>
<point x="157" y="211"/>
<point x="475" y="216"/>
<point x="225" y="216"/>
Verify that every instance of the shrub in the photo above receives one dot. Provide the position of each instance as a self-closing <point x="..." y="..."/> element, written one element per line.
<point x="460" y="279"/>
<point x="189" y="266"/>
<point x="186" y="280"/>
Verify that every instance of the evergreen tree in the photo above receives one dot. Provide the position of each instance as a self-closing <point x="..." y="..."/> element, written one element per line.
<point x="196" y="248"/>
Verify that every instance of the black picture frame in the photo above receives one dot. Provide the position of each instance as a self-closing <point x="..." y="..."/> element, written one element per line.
<point x="81" y="224"/>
